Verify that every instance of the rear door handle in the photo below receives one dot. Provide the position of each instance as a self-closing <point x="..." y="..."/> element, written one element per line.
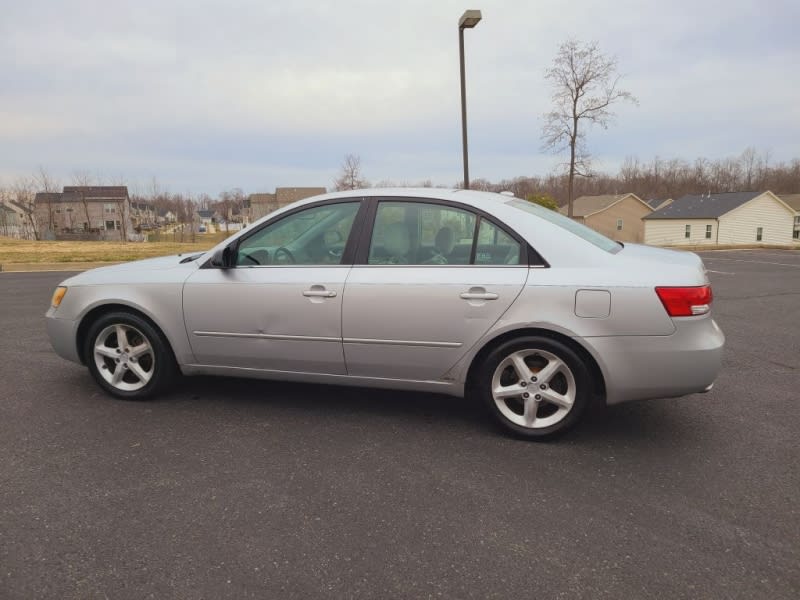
<point x="475" y="295"/>
<point x="319" y="293"/>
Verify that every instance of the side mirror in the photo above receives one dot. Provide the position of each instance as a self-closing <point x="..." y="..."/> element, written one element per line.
<point x="223" y="258"/>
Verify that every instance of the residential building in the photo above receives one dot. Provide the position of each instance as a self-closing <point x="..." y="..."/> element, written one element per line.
<point x="143" y="214"/>
<point x="84" y="212"/>
<point x="10" y="222"/>
<point x="618" y="216"/>
<point x="258" y="205"/>
<point x="793" y="200"/>
<point x="729" y="219"/>
<point x="166" y="217"/>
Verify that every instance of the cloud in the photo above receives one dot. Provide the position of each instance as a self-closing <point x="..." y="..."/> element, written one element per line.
<point x="206" y="95"/>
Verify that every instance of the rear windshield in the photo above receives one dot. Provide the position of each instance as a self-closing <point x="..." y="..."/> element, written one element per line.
<point x="590" y="235"/>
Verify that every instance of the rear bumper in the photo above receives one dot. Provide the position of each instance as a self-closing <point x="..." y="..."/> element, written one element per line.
<point x="645" y="367"/>
<point x="62" y="334"/>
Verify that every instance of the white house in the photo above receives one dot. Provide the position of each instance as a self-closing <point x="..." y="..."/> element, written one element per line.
<point x="729" y="219"/>
<point x="793" y="200"/>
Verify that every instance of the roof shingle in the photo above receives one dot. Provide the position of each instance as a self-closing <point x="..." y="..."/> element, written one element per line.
<point x="702" y="206"/>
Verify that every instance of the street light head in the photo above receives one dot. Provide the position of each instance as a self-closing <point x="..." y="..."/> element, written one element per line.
<point x="469" y="19"/>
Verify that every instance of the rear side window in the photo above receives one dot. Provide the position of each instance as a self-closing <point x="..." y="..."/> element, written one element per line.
<point x="419" y="233"/>
<point x="416" y="233"/>
<point x="583" y="232"/>
<point x="495" y="246"/>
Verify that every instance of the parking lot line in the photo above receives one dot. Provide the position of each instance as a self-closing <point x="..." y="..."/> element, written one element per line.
<point x="758" y="262"/>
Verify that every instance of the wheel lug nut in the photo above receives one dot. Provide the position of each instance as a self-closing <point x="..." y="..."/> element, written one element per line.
<point x="522" y="383"/>
<point x="119" y="351"/>
<point x="533" y="379"/>
<point x="538" y="397"/>
<point x="116" y="359"/>
<point x="543" y="387"/>
<point x="526" y="395"/>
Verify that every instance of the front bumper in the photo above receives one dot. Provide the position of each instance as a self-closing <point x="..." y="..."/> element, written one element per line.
<point x="63" y="335"/>
<point x="645" y="367"/>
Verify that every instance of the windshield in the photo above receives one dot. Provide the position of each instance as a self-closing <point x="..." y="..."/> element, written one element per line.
<point x="582" y="231"/>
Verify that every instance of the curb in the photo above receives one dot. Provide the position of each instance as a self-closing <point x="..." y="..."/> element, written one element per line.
<point x="53" y="267"/>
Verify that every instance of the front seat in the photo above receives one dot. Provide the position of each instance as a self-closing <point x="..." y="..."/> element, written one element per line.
<point x="397" y="243"/>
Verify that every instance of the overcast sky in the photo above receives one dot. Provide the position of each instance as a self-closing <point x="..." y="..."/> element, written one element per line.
<point x="256" y="94"/>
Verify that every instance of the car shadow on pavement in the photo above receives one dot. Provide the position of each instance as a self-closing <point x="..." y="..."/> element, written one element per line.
<point x="650" y="422"/>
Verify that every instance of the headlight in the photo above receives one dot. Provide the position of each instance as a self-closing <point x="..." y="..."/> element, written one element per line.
<point x="58" y="296"/>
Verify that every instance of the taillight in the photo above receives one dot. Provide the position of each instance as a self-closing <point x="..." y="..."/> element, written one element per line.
<point x="686" y="301"/>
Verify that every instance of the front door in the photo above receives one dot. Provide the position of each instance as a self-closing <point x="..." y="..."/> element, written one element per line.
<point x="436" y="279"/>
<point x="279" y="308"/>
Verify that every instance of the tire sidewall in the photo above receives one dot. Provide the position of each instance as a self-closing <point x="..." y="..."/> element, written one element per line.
<point x="579" y="370"/>
<point x="162" y="357"/>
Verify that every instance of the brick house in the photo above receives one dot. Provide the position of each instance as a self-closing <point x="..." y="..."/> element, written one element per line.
<point x="258" y="205"/>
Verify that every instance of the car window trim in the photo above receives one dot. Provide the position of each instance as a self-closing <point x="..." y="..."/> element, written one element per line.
<point x="529" y="257"/>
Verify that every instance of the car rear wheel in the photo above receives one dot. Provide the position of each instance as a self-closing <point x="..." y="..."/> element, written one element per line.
<point x="128" y="357"/>
<point x="535" y="387"/>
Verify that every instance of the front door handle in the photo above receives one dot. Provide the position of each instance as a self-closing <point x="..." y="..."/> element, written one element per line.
<point x="319" y="294"/>
<point x="478" y="294"/>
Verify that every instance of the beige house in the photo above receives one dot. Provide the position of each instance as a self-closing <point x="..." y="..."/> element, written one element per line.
<point x="618" y="216"/>
<point x="259" y="205"/>
<point x="728" y="219"/>
<point x="84" y="212"/>
<point x="793" y="200"/>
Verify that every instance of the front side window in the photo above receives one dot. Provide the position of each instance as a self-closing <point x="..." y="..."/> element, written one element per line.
<point x="314" y="236"/>
<point x="759" y="233"/>
<point x="688" y="233"/>
<point x="708" y="232"/>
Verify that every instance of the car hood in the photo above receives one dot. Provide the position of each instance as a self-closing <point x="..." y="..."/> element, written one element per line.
<point x="156" y="270"/>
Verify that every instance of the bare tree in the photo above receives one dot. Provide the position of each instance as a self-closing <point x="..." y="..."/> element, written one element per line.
<point x="350" y="177"/>
<point x="46" y="183"/>
<point x="584" y="88"/>
<point x="83" y="179"/>
<point x="23" y="195"/>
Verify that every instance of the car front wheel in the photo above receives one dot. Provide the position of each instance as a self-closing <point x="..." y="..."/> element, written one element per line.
<point x="535" y="387"/>
<point x="128" y="357"/>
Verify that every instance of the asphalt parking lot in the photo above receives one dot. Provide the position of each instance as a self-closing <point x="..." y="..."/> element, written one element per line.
<point x="230" y="488"/>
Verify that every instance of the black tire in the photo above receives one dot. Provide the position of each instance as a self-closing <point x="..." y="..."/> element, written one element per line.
<point x="580" y="379"/>
<point x="160" y="361"/>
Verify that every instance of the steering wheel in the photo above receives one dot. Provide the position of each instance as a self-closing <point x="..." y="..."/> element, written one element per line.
<point x="283" y="256"/>
<point x="248" y="257"/>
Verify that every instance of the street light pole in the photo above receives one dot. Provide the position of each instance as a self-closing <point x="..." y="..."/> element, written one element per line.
<point x="468" y="20"/>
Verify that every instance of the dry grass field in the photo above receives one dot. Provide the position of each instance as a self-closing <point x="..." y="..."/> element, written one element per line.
<point x="45" y="252"/>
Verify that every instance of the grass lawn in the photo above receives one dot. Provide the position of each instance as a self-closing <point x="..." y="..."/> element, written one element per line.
<point x="44" y="252"/>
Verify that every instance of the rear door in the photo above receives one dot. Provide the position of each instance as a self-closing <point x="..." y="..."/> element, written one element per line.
<point x="430" y="279"/>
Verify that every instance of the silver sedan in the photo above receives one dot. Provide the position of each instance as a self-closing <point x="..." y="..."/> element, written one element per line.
<point x="458" y="292"/>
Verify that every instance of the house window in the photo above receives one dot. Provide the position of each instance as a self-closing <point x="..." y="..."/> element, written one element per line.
<point x="759" y="233"/>
<point x="708" y="232"/>
<point x="58" y="211"/>
<point x="688" y="233"/>
<point x="619" y="224"/>
<point x="109" y="208"/>
<point x="69" y="209"/>
<point x="110" y="225"/>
